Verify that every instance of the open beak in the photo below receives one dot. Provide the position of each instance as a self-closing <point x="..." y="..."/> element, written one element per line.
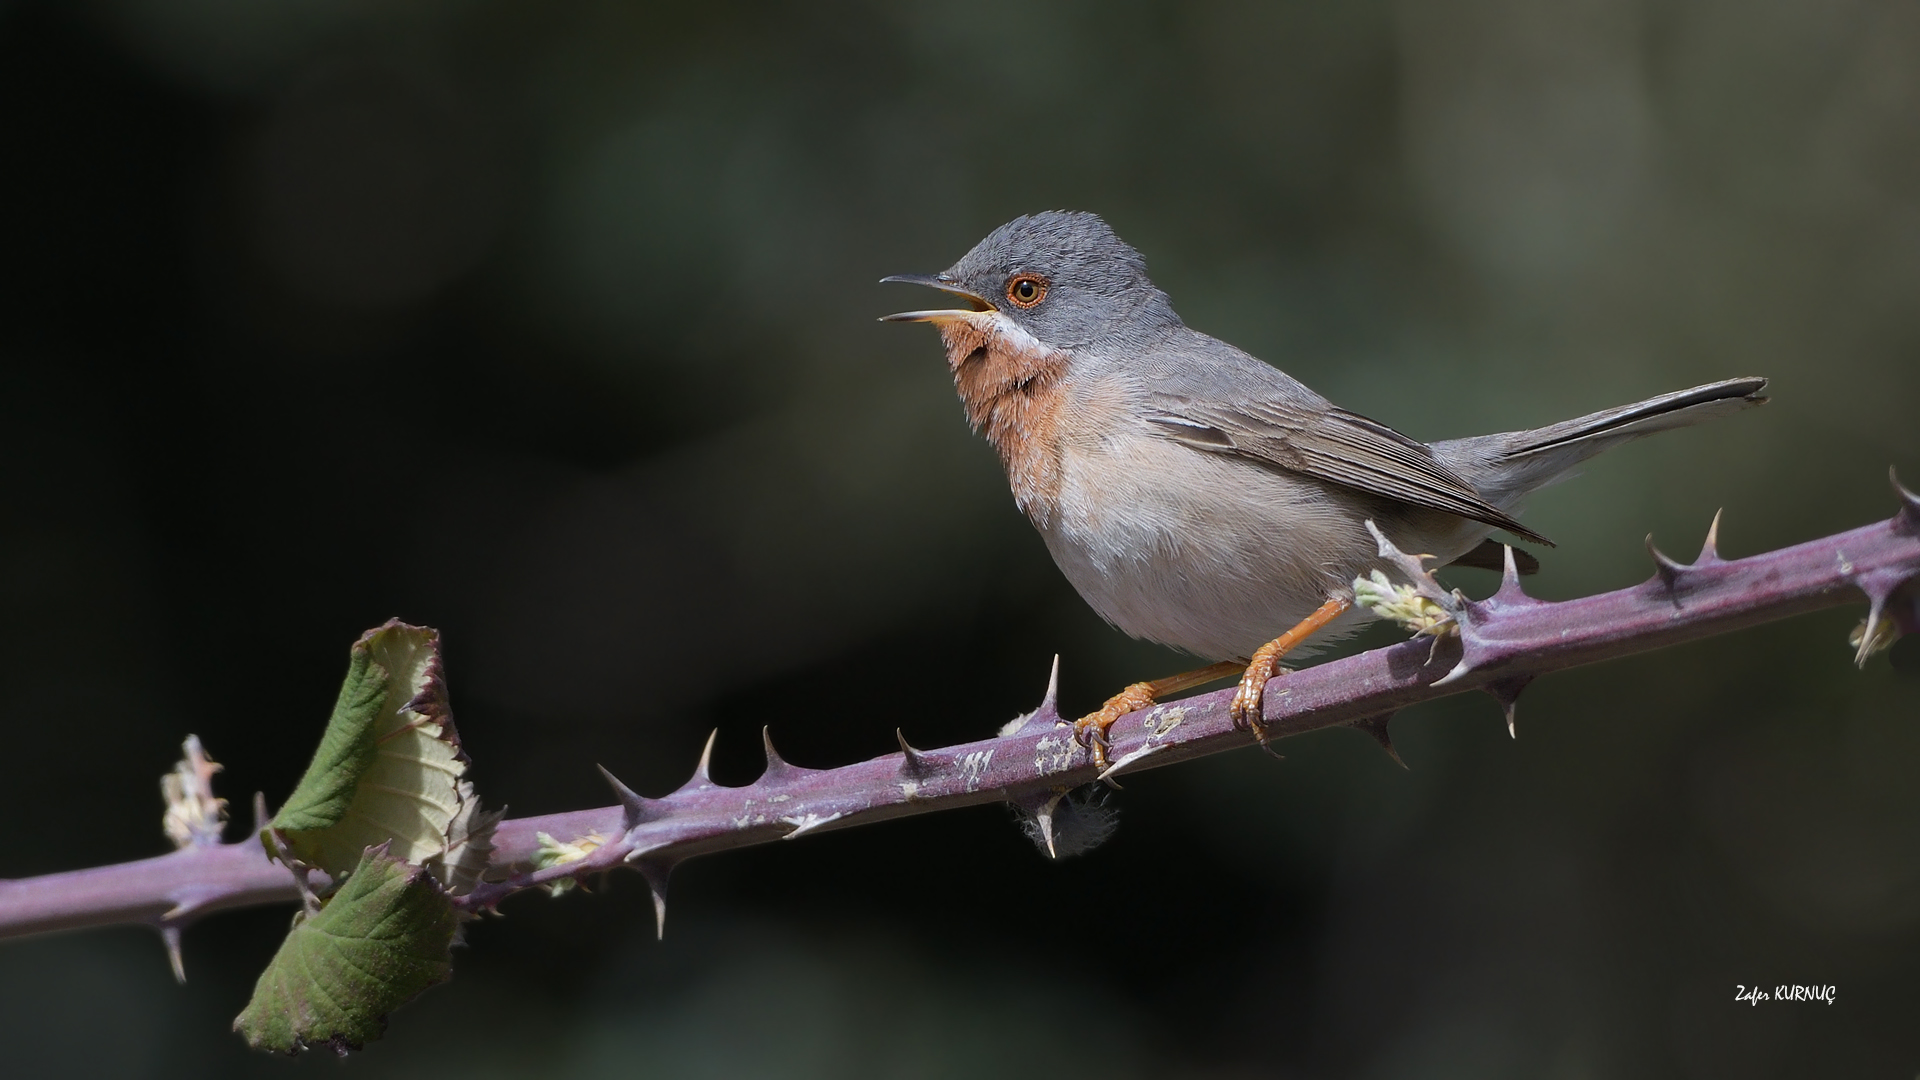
<point x="945" y="285"/>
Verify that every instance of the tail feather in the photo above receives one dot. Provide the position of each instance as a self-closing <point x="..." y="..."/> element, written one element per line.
<point x="1507" y="466"/>
<point x="1681" y="408"/>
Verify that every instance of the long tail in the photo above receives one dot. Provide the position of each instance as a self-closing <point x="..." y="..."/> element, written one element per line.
<point x="1507" y="466"/>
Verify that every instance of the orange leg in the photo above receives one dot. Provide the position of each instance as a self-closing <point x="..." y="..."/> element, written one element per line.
<point x="1245" y="709"/>
<point x="1091" y="729"/>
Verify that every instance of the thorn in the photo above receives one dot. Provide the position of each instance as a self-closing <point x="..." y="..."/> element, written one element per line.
<point x="1510" y="571"/>
<point x="625" y="794"/>
<point x="1873" y="635"/>
<point x="1050" y="701"/>
<point x="1414" y="567"/>
<point x="1129" y="758"/>
<point x="170" y="936"/>
<point x="1044" y="819"/>
<point x="1460" y="671"/>
<point x="656" y="871"/>
<point x="177" y="914"/>
<point x="1046" y="715"/>
<point x="1909" y="502"/>
<point x="1411" y="565"/>
<point x="638" y="808"/>
<point x="1063" y="823"/>
<point x="260" y="815"/>
<point x="1669" y="570"/>
<point x="1376" y="726"/>
<point x="803" y="824"/>
<point x="1869" y="634"/>
<point x="1507" y="693"/>
<point x="777" y="766"/>
<point x="1049" y="822"/>
<point x="913" y="761"/>
<point x="702" y="773"/>
<point x="1039" y="812"/>
<point x="1511" y="593"/>
<point x="1710" y="551"/>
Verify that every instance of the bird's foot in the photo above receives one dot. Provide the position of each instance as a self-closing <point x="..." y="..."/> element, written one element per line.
<point x="1090" y="730"/>
<point x="1249" y="699"/>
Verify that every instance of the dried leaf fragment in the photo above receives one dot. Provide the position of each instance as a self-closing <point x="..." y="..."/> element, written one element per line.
<point x="194" y="817"/>
<point x="469" y="847"/>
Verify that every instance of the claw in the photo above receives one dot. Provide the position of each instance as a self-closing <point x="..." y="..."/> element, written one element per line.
<point x="1091" y="734"/>
<point x="1090" y="731"/>
<point x="1249" y="699"/>
<point x="1248" y="707"/>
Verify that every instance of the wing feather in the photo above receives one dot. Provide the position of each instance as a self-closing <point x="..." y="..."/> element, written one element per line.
<point x="1330" y="444"/>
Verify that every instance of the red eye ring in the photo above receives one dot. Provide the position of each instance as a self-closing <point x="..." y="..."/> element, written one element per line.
<point x="1026" y="290"/>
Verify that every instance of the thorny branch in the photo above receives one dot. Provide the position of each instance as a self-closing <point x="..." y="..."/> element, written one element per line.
<point x="1497" y="645"/>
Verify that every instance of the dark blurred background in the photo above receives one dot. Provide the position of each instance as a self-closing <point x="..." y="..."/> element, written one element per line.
<point x="552" y="326"/>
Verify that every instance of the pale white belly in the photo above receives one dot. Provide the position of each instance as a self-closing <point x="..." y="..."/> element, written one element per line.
<point x="1221" y="562"/>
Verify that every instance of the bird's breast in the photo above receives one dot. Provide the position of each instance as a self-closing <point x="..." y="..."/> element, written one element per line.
<point x="1195" y="550"/>
<point x="1014" y="391"/>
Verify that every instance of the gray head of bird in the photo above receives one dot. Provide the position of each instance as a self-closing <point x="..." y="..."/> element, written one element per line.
<point x="1061" y="279"/>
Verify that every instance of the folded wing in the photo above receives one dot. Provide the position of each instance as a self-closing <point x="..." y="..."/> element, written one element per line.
<point x="1330" y="444"/>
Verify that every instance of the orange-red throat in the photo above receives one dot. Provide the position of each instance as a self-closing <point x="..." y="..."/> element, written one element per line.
<point x="1010" y="385"/>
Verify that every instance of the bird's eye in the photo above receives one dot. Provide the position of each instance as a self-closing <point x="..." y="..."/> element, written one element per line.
<point x="1026" y="290"/>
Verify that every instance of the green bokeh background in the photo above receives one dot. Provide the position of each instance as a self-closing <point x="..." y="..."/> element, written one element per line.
<point x="552" y="326"/>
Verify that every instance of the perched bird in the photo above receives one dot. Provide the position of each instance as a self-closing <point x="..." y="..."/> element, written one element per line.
<point x="1199" y="497"/>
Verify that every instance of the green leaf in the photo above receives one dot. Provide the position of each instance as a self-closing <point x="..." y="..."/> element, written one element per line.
<point x="385" y="936"/>
<point x="389" y="767"/>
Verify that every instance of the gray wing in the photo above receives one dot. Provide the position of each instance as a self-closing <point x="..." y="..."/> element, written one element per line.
<point x="1331" y="444"/>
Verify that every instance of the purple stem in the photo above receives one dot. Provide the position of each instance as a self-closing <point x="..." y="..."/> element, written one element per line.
<point x="187" y="883"/>
<point x="1502" y="643"/>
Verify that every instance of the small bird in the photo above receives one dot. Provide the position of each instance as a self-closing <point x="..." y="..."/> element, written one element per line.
<point x="1199" y="497"/>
